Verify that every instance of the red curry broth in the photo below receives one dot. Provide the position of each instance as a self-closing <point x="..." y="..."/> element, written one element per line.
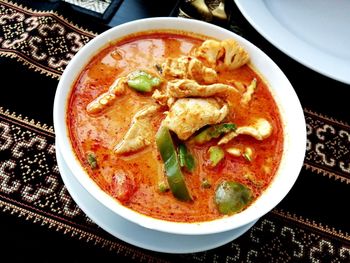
<point x="144" y="169"/>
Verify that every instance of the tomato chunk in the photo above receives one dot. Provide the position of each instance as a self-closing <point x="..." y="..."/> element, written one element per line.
<point x="123" y="186"/>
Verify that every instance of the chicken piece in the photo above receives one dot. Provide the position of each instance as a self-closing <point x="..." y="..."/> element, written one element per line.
<point x="175" y="67"/>
<point x="182" y="88"/>
<point x="100" y="103"/>
<point x="201" y="73"/>
<point x="227" y="53"/>
<point x="248" y="94"/>
<point x="118" y="87"/>
<point x="189" y="88"/>
<point x="106" y="99"/>
<point x="228" y="137"/>
<point x="137" y="137"/>
<point x="163" y="98"/>
<point x="160" y="97"/>
<point x="189" y="67"/>
<point x="260" y="130"/>
<point x="187" y="115"/>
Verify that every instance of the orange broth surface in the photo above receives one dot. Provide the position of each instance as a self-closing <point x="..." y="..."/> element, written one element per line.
<point x="100" y="134"/>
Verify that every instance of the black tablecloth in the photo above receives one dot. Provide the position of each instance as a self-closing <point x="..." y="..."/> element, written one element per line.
<point x="39" y="221"/>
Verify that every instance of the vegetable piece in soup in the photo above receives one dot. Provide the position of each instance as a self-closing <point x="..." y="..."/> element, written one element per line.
<point x="176" y="126"/>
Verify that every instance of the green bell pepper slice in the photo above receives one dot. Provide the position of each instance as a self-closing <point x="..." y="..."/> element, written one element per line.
<point x="216" y="154"/>
<point x="172" y="167"/>
<point x="91" y="158"/>
<point x="186" y="158"/>
<point x="142" y="81"/>
<point x="213" y="132"/>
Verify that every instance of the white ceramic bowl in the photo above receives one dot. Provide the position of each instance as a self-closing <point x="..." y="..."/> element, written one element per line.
<point x="281" y="89"/>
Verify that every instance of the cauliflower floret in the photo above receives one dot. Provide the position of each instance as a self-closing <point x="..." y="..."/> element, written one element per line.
<point x="235" y="55"/>
<point x="226" y="53"/>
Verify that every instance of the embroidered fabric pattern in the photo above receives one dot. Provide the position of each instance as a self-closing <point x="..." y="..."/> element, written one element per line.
<point x="29" y="177"/>
<point x="42" y="40"/>
<point x="31" y="186"/>
<point x="328" y="147"/>
<point x="99" y="6"/>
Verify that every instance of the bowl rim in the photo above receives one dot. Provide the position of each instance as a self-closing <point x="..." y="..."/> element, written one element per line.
<point x="294" y="139"/>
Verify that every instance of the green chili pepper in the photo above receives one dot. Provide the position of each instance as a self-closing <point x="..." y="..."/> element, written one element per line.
<point x="142" y="81"/>
<point x="232" y="197"/>
<point x="172" y="167"/>
<point x="216" y="154"/>
<point x="213" y="132"/>
<point x="186" y="158"/>
<point x="91" y="158"/>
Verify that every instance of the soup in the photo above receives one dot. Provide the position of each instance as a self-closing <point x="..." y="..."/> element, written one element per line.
<point x="176" y="126"/>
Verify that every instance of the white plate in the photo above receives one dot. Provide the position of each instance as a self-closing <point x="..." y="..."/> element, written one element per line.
<point x="138" y="235"/>
<point x="315" y="33"/>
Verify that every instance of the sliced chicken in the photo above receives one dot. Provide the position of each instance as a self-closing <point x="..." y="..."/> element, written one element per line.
<point x="187" y="115"/>
<point x="260" y="130"/>
<point x="182" y="88"/>
<point x="175" y="67"/>
<point x="106" y="99"/>
<point x="248" y="94"/>
<point x="189" y="88"/>
<point x="187" y="67"/>
<point x="227" y="53"/>
<point x="160" y="97"/>
<point x="201" y="73"/>
<point x="137" y="137"/>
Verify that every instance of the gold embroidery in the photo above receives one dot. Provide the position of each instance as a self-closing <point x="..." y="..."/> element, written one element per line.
<point x="29" y="11"/>
<point x="328" y="147"/>
<point x="312" y="224"/>
<point x="30" y="185"/>
<point x="329" y="174"/>
<point x="25" y="120"/>
<point x="283" y="238"/>
<point x="30" y="65"/>
<point x="75" y="232"/>
<point x="18" y="136"/>
<point x="43" y="41"/>
<point x="321" y="116"/>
